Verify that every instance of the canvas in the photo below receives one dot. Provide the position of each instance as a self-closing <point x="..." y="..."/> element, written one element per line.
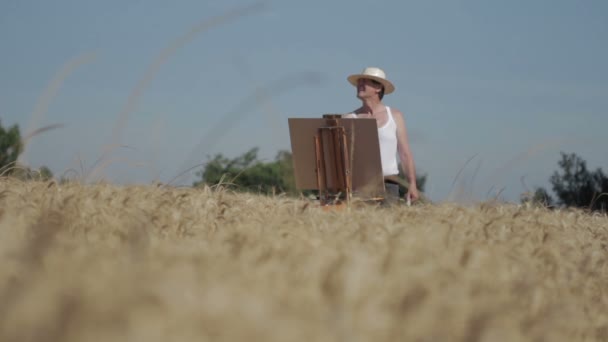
<point x="362" y="147"/>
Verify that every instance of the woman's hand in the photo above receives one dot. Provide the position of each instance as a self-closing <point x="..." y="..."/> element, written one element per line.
<point x="412" y="194"/>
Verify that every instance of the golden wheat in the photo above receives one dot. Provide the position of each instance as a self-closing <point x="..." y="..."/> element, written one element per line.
<point x="149" y="263"/>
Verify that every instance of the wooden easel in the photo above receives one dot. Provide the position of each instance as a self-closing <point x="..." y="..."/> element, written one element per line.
<point x="339" y="157"/>
<point x="332" y="167"/>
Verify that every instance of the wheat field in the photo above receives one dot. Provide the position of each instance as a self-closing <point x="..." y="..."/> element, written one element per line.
<point x="105" y="262"/>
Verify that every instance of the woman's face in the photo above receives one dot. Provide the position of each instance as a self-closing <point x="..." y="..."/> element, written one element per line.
<point x="367" y="87"/>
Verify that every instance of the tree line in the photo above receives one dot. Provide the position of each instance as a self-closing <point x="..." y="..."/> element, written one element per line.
<point x="573" y="184"/>
<point x="247" y="173"/>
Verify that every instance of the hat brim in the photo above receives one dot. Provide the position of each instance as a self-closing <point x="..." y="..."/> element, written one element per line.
<point x="388" y="86"/>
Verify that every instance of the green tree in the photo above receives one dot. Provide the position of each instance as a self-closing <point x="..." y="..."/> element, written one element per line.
<point x="576" y="186"/>
<point x="247" y="173"/>
<point x="11" y="146"/>
<point x="25" y="173"/>
<point x="540" y="197"/>
<point x="45" y="173"/>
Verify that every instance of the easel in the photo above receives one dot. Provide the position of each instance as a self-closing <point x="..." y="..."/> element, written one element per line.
<point x="339" y="157"/>
<point x="332" y="162"/>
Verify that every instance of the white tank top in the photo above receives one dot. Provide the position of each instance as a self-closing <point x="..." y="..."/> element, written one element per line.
<point x="387" y="136"/>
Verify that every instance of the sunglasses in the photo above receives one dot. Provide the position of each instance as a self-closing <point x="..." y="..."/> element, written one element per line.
<point x="372" y="81"/>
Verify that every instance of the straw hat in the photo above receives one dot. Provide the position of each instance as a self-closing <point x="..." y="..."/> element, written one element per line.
<point x="375" y="74"/>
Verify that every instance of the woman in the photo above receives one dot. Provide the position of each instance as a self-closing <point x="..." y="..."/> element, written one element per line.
<point x="372" y="85"/>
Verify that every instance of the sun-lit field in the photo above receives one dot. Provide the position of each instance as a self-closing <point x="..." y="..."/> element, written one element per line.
<point x="148" y="263"/>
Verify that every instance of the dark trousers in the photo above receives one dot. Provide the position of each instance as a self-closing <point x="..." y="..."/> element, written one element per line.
<point x="392" y="193"/>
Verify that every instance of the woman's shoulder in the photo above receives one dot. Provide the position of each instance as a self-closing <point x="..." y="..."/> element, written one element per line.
<point x="352" y="114"/>
<point x="394" y="112"/>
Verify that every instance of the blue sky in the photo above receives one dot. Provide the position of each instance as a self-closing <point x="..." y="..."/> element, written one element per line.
<point x="503" y="85"/>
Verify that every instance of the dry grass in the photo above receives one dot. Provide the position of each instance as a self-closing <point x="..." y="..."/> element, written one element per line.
<point x="146" y="263"/>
